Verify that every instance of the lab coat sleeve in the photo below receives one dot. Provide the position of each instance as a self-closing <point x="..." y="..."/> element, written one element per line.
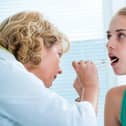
<point x="25" y="100"/>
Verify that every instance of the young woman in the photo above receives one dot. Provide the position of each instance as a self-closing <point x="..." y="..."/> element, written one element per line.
<point x="115" y="108"/>
<point x="30" y="52"/>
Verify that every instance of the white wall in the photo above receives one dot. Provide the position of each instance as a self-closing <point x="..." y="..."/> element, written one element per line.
<point x="117" y="4"/>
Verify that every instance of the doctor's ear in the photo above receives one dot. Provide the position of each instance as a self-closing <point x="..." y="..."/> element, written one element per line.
<point x="29" y="67"/>
<point x="36" y="59"/>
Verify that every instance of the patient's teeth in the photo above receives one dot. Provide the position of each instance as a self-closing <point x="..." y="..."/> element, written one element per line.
<point x="114" y="60"/>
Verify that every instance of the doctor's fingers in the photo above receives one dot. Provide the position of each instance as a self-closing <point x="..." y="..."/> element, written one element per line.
<point x="86" y="65"/>
<point x="78" y="65"/>
<point x="78" y="86"/>
<point x="75" y="65"/>
<point x="83" y="66"/>
<point x="77" y="83"/>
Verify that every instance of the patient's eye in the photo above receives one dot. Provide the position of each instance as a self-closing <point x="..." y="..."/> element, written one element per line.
<point x="108" y="36"/>
<point x="121" y="35"/>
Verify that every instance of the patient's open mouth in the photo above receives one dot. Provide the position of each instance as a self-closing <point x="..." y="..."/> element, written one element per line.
<point x="114" y="59"/>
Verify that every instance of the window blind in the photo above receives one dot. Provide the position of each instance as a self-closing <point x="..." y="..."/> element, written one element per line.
<point x="79" y="19"/>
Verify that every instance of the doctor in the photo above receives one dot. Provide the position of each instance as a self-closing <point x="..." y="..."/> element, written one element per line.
<point x="30" y="52"/>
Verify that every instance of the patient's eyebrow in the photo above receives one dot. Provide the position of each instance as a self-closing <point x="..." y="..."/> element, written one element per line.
<point x="117" y="30"/>
<point x="107" y="32"/>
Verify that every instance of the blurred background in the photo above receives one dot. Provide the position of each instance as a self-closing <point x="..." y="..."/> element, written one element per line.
<point x="85" y="22"/>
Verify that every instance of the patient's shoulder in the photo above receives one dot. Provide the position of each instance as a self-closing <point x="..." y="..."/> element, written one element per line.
<point x="116" y="93"/>
<point x="117" y="90"/>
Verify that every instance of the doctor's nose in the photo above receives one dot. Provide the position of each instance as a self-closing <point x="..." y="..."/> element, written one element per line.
<point x="59" y="71"/>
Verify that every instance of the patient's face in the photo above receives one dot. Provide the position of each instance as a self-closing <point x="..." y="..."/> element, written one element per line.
<point x="117" y="44"/>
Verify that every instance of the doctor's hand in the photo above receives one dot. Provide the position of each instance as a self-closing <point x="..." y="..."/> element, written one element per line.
<point x="87" y="73"/>
<point x="79" y="88"/>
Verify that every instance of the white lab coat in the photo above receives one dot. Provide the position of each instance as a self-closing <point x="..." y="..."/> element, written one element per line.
<point x="25" y="101"/>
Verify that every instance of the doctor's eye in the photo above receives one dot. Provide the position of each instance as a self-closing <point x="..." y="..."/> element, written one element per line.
<point x="60" y="54"/>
